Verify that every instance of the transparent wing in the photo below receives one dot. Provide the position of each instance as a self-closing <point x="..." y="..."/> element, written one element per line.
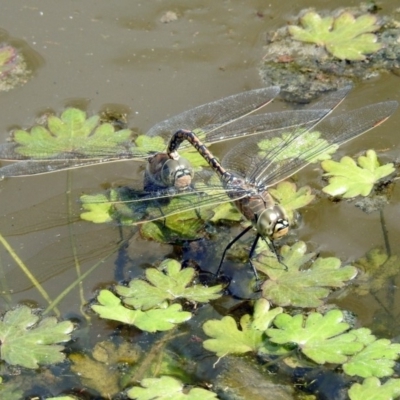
<point x="297" y="148"/>
<point x="136" y="207"/>
<point x="216" y="113"/>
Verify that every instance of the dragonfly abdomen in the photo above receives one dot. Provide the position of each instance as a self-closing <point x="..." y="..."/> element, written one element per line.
<point x="191" y="137"/>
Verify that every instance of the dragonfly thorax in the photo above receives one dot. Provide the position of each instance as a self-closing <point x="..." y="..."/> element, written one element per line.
<point x="273" y="222"/>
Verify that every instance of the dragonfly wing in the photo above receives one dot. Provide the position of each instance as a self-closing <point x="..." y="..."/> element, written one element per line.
<point x="48" y="161"/>
<point x="300" y="148"/>
<point x="138" y="207"/>
<point x="270" y="122"/>
<point x="216" y="113"/>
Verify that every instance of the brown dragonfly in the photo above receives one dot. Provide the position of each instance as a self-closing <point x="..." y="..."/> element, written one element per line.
<point x="247" y="171"/>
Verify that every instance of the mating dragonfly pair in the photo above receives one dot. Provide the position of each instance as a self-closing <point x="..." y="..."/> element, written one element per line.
<point x="294" y="139"/>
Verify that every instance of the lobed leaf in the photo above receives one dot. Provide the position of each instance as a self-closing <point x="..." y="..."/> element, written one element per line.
<point x="350" y="180"/>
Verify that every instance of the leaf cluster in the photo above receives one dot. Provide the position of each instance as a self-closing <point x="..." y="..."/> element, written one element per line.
<point x="345" y="37"/>
<point x="321" y="338"/>
<point x="151" y="304"/>
<point x="72" y="133"/>
<point x="348" y="179"/>
<point x="295" y="280"/>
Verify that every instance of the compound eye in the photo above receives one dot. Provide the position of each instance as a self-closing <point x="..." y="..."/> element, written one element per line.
<point x="168" y="171"/>
<point x="173" y="170"/>
<point x="273" y="223"/>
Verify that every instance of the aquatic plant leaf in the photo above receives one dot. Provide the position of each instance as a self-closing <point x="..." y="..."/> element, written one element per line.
<point x="345" y="37"/>
<point x="319" y="337"/>
<point x="376" y="269"/>
<point x="61" y="398"/>
<point x="162" y="319"/>
<point x="144" y="142"/>
<point x="226" y="212"/>
<point x="166" y="388"/>
<point x="290" y="198"/>
<point x="305" y="146"/>
<point x="376" y="359"/>
<point x="227" y="338"/>
<point x="372" y="389"/>
<point x="168" y="283"/>
<point x="290" y="283"/>
<point x="350" y="180"/>
<point x="28" y="342"/>
<point x="72" y="132"/>
<point x="188" y="225"/>
<point x="100" y="370"/>
<point x="98" y="208"/>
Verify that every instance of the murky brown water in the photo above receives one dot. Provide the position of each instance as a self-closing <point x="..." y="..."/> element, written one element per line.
<point x="99" y="53"/>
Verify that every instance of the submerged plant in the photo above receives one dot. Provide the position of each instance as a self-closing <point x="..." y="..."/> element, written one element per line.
<point x="345" y="37"/>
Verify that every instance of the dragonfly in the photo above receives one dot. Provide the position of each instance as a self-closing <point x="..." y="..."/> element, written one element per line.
<point x="225" y="119"/>
<point x="246" y="173"/>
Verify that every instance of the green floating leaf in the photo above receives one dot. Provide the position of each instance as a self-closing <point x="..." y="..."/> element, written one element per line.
<point x="169" y="283"/>
<point x="350" y="180"/>
<point x="166" y="388"/>
<point x="371" y="389"/>
<point x="98" y="209"/>
<point x="150" y="144"/>
<point x="227" y="338"/>
<point x="290" y="283"/>
<point x="376" y="359"/>
<point x="290" y="198"/>
<point x="345" y="37"/>
<point x="63" y="398"/>
<point x="71" y="133"/>
<point x="226" y="212"/>
<point x="151" y="321"/>
<point x="29" y="343"/>
<point x="188" y="225"/>
<point x="319" y="337"/>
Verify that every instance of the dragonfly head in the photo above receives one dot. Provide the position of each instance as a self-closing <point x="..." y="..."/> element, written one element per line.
<point x="273" y="222"/>
<point x="178" y="173"/>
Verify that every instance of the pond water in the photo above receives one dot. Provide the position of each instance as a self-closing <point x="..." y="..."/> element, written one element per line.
<point x="119" y="55"/>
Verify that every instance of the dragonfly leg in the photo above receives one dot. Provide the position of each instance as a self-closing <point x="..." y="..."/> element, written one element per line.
<point x="253" y="247"/>
<point x="272" y="247"/>
<point x="230" y="244"/>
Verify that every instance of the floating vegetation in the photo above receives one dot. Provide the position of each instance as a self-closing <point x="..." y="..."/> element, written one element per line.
<point x="307" y="57"/>
<point x="345" y="37"/>
<point x="152" y="306"/>
<point x="348" y="179"/>
<point x="300" y="284"/>
<point x="28" y="342"/>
